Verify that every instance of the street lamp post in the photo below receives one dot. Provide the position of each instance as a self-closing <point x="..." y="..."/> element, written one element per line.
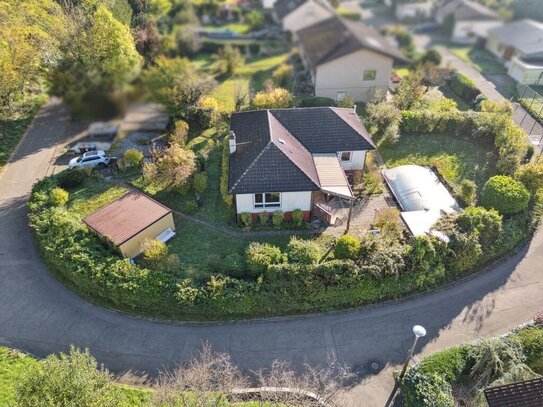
<point x="419" y="332"/>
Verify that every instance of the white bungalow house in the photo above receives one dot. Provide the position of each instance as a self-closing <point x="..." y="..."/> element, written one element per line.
<point x="346" y="58"/>
<point x="289" y="159"/>
<point x="469" y="21"/>
<point x="295" y="15"/>
<point x="519" y="46"/>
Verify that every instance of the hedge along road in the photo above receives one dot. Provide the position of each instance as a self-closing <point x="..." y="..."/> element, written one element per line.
<point x="38" y="315"/>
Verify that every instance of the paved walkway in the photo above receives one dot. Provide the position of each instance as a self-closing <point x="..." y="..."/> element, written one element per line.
<point x="39" y="315"/>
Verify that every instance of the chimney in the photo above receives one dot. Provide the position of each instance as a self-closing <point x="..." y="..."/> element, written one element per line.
<point x="232" y="142"/>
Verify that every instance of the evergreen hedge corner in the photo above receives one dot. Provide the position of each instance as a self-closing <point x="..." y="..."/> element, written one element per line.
<point x="505" y="194"/>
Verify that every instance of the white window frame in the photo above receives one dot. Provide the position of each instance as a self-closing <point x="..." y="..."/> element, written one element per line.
<point x="264" y="204"/>
<point x="369" y="70"/>
<point x="345" y="152"/>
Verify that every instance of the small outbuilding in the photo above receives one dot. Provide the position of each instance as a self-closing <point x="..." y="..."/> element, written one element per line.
<point x="421" y="195"/>
<point x="129" y="220"/>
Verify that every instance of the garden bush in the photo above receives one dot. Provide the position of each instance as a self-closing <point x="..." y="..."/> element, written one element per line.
<point x="531" y="175"/>
<point x="297" y="217"/>
<point x="199" y="182"/>
<point x="337" y="271"/>
<point x="530" y="340"/>
<point x="347" y="247"/>
<point x="468" y="191"/>
<point x="190" y="206"/>
<point x="58" y="197"/>
<point x="263" y="218"/>
<point x="153" y="252"/>
<point x="426" y="390"/>
<point x="259" y="256"/>
<point x="303" y="251"/>
<point x="246" y="219"/>
<point x="277" y="218"/>
<point x="464" y="87"/>
<point x="486" y="224"/>
<point x="317" y="101"/>
<point x="179" y="133"/>
<point x="133" y="157"/>
<point x="449" y="363"/>
<point x="72" y="178"/>
<point x="273" y="99"/>
<point x="233" y="265"/>
<point x="505" y="194"/>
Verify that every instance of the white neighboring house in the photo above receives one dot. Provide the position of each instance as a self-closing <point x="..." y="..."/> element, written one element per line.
<point x="470" y="20"/>
<point x="288" y="159"/>
<point x="519" y="46"/>
<point x="414" y="10"/>
<point x="295" y="15"/>
<point x="268" y="4"/>
<point x="346" y="58"/>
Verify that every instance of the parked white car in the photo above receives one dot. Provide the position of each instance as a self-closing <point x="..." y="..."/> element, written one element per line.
<point x="91" y="159"/>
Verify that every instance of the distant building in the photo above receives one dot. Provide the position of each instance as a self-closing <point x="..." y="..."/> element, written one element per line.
<point x="519" y="46"/>
<point x="128" y="221"/>
<point x="295" y="15"/>
<point x="409" y="10"/>
<point x="470" y="21"/>
<point x="346" y="58"/>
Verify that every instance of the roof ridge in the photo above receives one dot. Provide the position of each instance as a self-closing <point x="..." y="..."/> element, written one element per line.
<point x="296" y="140"/>
<point x="251" y="165"/>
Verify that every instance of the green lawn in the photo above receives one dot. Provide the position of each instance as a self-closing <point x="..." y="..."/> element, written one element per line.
<point x="457" y="158"/>
<point x="92" y="195"/>
<point x="481" y="59"/>
<point x="13" y="128"/>
<point x="239" y="28"/>
<point x="252" y="74"/>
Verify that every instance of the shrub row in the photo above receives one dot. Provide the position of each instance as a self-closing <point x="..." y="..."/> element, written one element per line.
<point x="267" y="281"/>
<point x="471" y="368"/>
<point x="465" y="88"/>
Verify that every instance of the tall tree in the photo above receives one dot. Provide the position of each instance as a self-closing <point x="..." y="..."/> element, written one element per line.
<point x="98" y="58"/>
<point x="30" y="35"/>
<point x="177" y="84"/>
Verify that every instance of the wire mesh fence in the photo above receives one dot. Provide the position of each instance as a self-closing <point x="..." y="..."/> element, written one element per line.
<point x="528" y="112"/>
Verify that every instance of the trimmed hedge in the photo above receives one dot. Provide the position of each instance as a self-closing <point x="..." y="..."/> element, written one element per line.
<point x="318" y="101"/>
<point x="505" y="194"/>
<point x="465" y="88"/>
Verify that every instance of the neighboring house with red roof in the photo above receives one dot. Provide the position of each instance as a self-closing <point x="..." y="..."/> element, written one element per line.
<point x="126" y="222"/>
<point x="288" y="159"/>
<point x="346" y="58"/>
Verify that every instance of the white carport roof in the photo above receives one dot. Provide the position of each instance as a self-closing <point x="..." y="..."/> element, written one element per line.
<point x="331" y="176"/>
<point x="421" y="195"/>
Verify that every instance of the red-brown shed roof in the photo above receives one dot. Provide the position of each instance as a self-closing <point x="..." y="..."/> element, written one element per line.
<point x="124" y="218"/>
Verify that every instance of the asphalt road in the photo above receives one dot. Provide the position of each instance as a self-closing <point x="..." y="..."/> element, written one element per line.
<point x="40" y="316"/>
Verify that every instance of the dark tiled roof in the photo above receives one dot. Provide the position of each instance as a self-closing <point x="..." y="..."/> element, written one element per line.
<point x="285" y="7"/>
<point x="528" y="393"/>
<point x="275" y="147"/>
<point x="336" y="37"/>
<point x="126" y="217"/>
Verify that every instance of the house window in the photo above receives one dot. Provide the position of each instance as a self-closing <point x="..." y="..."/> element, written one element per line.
<point x="268" y="200"/>
<point x="346" y="156"/>
<point x="340" y="96"/>
<point x="370" y="75"/>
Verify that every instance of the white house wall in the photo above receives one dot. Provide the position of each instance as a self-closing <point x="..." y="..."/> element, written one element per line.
<point x="346" y="74"/>
<point x="462" y="29"/>
<point x="268" y="4"/>
<point x="358" y="159"/>
<point x="289" y="202"/>
<point x="304" y="16"/>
